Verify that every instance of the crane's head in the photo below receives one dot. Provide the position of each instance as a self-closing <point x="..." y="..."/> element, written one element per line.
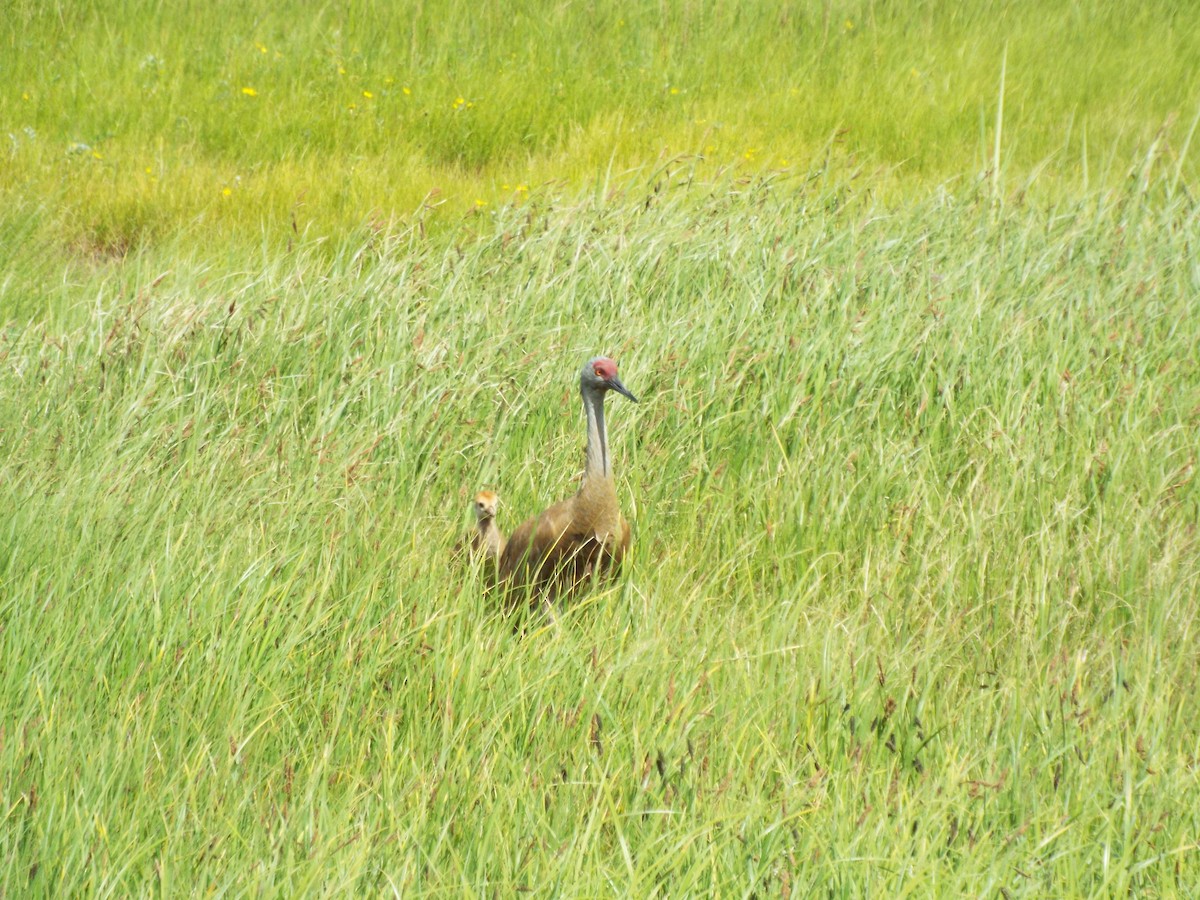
<point x="484" y="505"/>
<point x="600" y="374"/>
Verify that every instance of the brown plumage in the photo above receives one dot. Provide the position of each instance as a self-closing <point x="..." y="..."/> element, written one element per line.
<point x="570" y="541"/>
<point x="485" y="540"/>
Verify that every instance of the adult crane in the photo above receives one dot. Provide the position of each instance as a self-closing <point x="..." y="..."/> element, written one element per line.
<point x="567" y="543"/>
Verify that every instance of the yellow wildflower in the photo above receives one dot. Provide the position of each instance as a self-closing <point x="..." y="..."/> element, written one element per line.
<point x="406" y="90"/>
<point x="249" y="92"/>
<point x="522" y="187"/>
<point x="97" y="155"/>
<point x="25" y="96"/>
<point x="849" y="25"/>
<point x="368" y="95"/>
<point x="750" y="151"/>
<point x="674" y="90"/>
<point x="480" y="204"/>
<point x="262" y="48"/>
<point x="226" y="192"/>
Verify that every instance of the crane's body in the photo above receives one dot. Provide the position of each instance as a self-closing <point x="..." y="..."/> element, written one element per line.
<point x="569" y="541"/>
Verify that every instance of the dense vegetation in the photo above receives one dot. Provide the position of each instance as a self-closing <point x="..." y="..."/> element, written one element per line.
<point x="132" y="120"/>
<point x="912" y="602"/>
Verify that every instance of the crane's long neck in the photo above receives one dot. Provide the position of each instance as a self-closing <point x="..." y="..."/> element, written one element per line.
<point x="597" y="439"/>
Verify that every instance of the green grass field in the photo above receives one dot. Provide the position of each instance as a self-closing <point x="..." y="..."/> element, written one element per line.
<point x="911" y="609"/>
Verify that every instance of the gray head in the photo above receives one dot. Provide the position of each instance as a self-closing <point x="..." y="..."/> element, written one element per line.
<point x="599" y="375"/>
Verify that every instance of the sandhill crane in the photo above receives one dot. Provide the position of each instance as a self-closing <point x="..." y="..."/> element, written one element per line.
<point x="485" y="540"/>
<point x="564" y="545"/>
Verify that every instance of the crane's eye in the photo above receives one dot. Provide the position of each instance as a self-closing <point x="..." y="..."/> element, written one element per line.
<point x="599" y="372"/>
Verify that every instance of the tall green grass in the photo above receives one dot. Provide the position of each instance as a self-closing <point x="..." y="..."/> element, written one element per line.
<point x="131" y="120"/>
<point x="907" y="294"/>
<point x="911" y="606"/>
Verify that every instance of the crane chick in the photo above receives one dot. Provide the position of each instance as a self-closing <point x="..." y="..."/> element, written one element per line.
<point x="484" y="540"/>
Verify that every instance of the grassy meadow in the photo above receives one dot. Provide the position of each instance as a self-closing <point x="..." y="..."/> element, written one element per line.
<point x="132" y="121"/>
<point x="911" y="608"/>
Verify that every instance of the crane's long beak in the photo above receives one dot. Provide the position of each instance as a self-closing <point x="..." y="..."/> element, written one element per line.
<point x="615" y="384"/>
